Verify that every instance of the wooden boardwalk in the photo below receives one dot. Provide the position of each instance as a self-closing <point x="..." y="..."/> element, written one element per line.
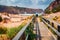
<point x="45" y="33"/>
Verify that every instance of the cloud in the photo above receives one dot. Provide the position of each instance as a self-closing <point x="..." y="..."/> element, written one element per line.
<point x="34" y="1"/>
<point x="13" y="0"/>
<point x="27" y="3"/>
<point x="42" y="0"/>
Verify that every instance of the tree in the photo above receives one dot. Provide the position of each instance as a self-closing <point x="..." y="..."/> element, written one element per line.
<point x="47" y="11"/>
<point x="56" y="9"/>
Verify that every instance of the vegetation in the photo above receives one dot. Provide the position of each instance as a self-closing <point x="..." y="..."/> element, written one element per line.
<point x="13" y="31"/>
<point x="3" y="30"/>
<point x="47" y="11"/>
<point x="29" y="31"/>
<point x="55" y="18"/>
<point x="54" y="10"/>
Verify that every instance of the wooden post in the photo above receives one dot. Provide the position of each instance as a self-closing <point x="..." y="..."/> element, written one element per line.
<point x="52" y="24"/>
<point x="48" y="22"/>
<point x="58" y="37"/>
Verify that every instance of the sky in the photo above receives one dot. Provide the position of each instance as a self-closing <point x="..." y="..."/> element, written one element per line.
<point x="36" y="4"/>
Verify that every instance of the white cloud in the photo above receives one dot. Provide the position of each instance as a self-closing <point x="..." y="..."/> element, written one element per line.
<point x="12" y="0"/>
<point x="34" y="2"/>
<point x="21" y="3"/>
<point x="43" y="0"/>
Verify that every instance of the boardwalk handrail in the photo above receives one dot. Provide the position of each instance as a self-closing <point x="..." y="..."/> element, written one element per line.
<point x="58" y="33"/>
<point x="52" y="21"/>
<point x="20" y="33"/>
<point x="27" y="37"/>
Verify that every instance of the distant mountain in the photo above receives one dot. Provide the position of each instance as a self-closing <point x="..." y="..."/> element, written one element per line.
<point x="17" y="10"/>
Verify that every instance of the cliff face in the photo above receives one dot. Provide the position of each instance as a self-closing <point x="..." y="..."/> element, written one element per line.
<point x="54" y="6"/>
<point x="58" y="1"/>
<point x="16" y="10"/>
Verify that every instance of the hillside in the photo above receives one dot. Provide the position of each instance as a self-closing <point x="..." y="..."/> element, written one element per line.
<point x="17" y="10"/>
<point x="53" y="7"/>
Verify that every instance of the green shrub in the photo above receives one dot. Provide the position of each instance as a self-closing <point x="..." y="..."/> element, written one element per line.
<point x="29" y="31"/>
<point x="56" y="9"/>
<point x="47" y="11"/>
<point x="55" y="18"/>
<point x="13" y="31"/>
<point x="3" y="30"/>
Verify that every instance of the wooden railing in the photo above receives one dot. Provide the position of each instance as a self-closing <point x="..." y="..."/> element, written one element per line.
<point x="51" y="24"/>
<point x="21" y="35"/>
